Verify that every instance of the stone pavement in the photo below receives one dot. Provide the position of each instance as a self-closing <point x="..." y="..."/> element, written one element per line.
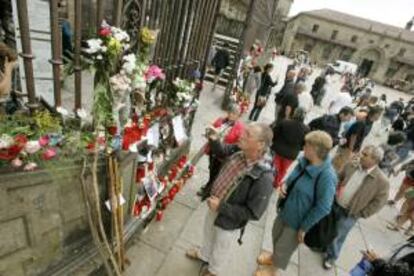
<point x="160" y="249"/>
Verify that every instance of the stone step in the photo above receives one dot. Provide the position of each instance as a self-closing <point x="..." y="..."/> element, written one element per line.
<point x="222" y="81"/>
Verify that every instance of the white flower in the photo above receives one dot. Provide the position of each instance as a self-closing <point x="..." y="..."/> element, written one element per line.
<point x="32" y="147"/>
<point x="84" y="116"/>
<point x="104" y="49"/>
<point x="129" y="63"/>
<point x="82" y="113"/>
<point x="64" y="112"/>
<point x="6" y="141"/>
<point x="177" y="82"/>
<point x="99" y="57"/>
<point x="120" y="35"/>
<point x="139" y="82"/>
<point x="30" y="166"/>
<point x="120" y="82"/>
<point x="95" y="45"/>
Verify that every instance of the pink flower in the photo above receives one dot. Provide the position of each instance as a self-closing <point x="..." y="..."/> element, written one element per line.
<point x="17" y="162"/>
<point x="44" y="141"/>
<point x="154" y="72"/>
<point x="49" y="154"/>
<point x="32" y="147"/>
<point x="30" y="167"/>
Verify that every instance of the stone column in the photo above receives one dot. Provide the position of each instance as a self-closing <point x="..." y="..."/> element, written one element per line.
<point x="379" y="74"/>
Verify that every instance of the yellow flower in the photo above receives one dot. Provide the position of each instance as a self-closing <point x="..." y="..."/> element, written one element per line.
<point x="147" y="36"/>
<point x="114" y="46"/>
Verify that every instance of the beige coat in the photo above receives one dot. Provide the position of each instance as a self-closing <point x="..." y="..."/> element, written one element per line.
<point x="371" y="196"/>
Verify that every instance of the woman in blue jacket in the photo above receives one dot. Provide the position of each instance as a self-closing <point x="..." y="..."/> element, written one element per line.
<point x="302" y="208"/>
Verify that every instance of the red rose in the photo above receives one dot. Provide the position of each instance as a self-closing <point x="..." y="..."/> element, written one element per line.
<point x="20" y="140"/>
<point x="91" y="146"/>
<point x="112" y="130"/>
<point x="104" y="32"/>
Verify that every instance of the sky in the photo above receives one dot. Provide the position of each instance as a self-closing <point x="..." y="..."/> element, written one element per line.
<point x="394" y="12"/>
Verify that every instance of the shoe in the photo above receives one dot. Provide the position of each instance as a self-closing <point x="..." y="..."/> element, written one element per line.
<point x="265" y="258"/>
<point x="393" y="227"/>
<point x="207" y="273"/>
<point x="328" y="263"/>
<point x="194" y="254"/>
<point x="266" y="271"/>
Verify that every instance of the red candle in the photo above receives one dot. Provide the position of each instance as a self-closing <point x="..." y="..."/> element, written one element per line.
<point x="160" y="215"/>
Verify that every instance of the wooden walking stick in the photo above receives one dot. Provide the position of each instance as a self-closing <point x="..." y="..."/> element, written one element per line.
<point x="119" y="216"/>
<point x="114" y="202"/>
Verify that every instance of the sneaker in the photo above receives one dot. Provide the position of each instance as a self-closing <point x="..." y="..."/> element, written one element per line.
<point x="328" y="263"/>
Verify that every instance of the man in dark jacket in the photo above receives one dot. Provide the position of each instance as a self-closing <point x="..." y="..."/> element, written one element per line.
<point x="290" y="102"/>
<point x="286" y="89"/>
<point x="354" y="137"/>
<point x="220" y="61"/>
<point x="332" y="123"/>
<point x="240" y="193"/>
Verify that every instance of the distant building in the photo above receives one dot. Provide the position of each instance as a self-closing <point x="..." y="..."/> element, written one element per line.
<point x="382" y="51"/>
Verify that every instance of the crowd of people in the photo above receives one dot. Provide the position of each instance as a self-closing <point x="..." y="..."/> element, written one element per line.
<point x="325" y="173"/>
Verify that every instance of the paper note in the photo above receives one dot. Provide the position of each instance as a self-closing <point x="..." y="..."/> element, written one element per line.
<point x="179" y="130"/>
<point x="153" y="135"/>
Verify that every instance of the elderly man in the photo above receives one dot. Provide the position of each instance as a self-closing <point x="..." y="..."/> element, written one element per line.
<point x="364" y="192"/>
<point x="240" y="193"/>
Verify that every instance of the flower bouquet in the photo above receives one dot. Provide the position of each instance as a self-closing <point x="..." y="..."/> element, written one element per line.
<point x="183" y="92"/>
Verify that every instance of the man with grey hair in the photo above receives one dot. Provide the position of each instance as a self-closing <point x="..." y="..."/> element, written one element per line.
<point x="363" y="192"/>
<point x="240" y="193"/>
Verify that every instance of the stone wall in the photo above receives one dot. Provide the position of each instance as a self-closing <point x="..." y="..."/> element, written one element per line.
<point x="42" y="219"/>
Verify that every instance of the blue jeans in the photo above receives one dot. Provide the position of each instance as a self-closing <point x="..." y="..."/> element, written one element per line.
<point x="344" y="225"/>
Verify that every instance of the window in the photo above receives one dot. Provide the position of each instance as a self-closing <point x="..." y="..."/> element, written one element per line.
<point x="308" y="47"/>
<point x="402" y="52"/>
<point x="334" y="34"/>
<point x="326" y="52"/>
<point x="315" y="28"/>
<point x="386" y="46"/>
<point x="371" y="41"/>
<point x="354" y="38"/>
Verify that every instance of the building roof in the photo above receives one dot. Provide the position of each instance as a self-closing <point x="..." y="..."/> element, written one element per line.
<point x="362" y="23"/>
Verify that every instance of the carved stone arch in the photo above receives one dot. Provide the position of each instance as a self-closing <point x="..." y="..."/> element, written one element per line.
<point x="374" y="54"/>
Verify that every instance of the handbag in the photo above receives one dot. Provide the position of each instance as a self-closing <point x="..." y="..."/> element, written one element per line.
<point x="261" y="101"/>
<point x="324" y="231"/>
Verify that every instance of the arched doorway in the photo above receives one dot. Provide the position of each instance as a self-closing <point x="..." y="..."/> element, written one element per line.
<point x="369" y="60"/>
